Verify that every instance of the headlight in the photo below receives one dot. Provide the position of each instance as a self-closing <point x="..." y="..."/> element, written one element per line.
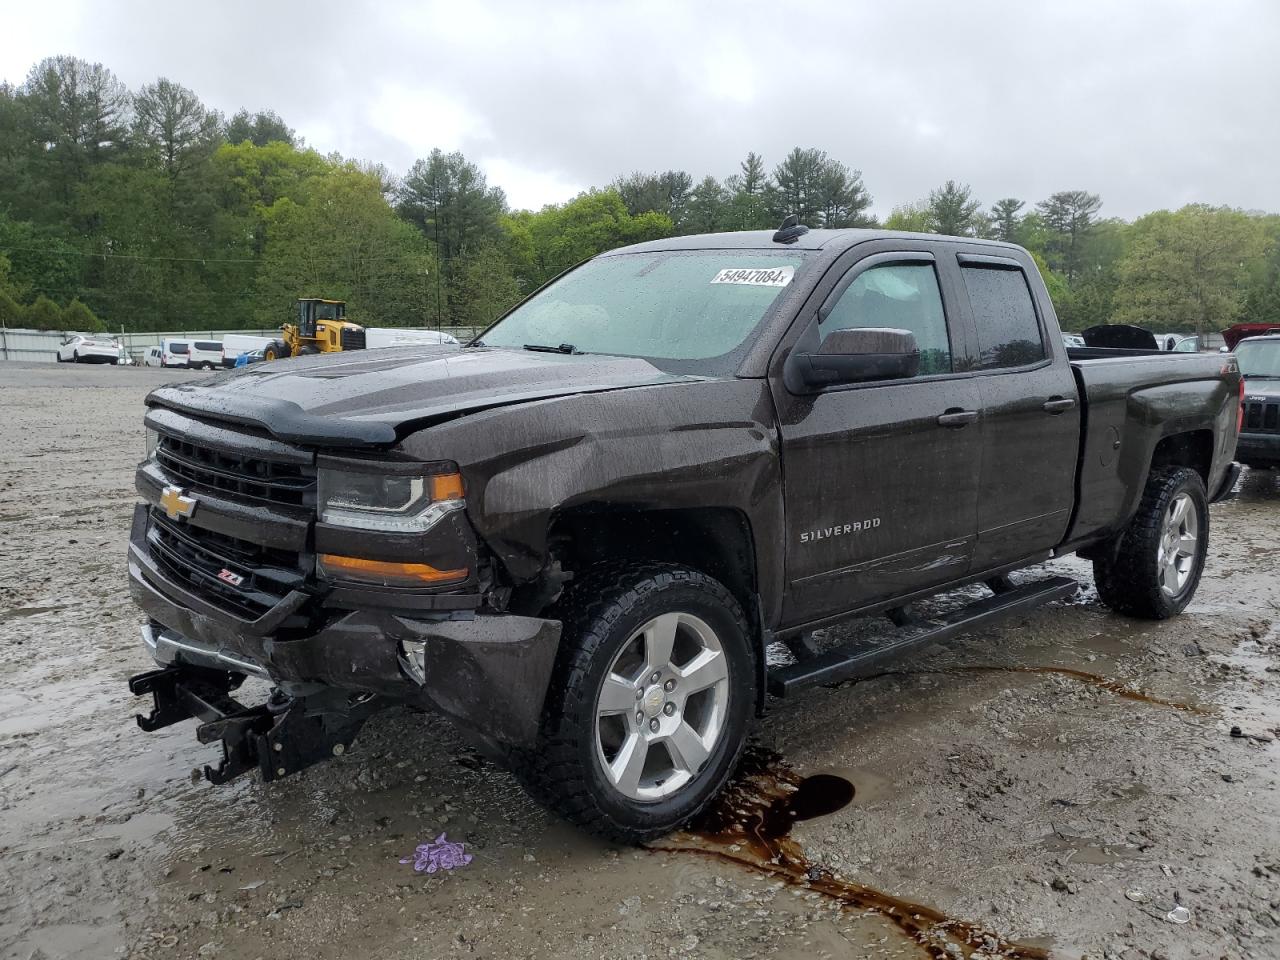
<point x="388" y="502"/>
<point x="153" y="441"/>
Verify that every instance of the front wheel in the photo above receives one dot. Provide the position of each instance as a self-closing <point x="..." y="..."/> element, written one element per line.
<point x="650" y="703"/>
<point x="1155" y="568"/>
<point x="275" y="350"/>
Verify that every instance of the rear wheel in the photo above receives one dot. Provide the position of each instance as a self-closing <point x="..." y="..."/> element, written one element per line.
<point x="650" y="702"/>
<point x="308" y="349"/>
<point x="75" y="356"/>
<point x="1156" y="566"/>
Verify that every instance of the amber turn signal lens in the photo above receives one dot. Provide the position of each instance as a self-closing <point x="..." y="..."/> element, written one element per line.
<point x="386" y="572"/>
<point x="446" y="486"/>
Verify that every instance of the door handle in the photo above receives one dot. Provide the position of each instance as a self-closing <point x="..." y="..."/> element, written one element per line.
<point x="957" y="418"/>
<point x="1058" y="405"/>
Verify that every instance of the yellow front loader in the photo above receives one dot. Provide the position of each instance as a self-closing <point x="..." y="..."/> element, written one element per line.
<point x="322" y="327"/>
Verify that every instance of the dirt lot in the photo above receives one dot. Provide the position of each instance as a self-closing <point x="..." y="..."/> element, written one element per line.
<point x="1002" y="794"/>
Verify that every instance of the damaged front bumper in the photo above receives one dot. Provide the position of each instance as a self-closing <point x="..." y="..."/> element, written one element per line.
<point x="486" y="673"/>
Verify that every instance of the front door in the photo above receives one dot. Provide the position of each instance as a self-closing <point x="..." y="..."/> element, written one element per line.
<point x="881" y="479"/>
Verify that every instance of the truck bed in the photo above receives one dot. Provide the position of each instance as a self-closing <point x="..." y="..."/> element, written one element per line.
<point x="1131" y="400"/>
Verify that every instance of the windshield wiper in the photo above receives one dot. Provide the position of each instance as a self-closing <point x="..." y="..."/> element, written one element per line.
<point x="546" y="348"/>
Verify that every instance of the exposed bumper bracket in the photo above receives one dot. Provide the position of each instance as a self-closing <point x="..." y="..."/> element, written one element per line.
<point x="280" y="737"/>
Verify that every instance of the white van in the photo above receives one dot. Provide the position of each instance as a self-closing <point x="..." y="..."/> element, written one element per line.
<point x="404" y="336"/>
<point x="204" y="354"/>
<point x="153" y="357"/>
<point x="174" y="353"/>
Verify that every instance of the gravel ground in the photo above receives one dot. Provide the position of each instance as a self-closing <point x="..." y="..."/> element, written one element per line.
<point x="1042" y="808"/>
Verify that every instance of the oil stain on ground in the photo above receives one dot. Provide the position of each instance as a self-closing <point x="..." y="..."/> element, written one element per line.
<point x="750" y="826"/>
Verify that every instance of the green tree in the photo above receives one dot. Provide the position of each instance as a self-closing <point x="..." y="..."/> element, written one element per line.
<point x="798" y="187"/>
<point x="749" y="196"/>
<point x="449" y="200"/>
<point x="708" y="208"/>
<point x="485" y="287"/>
<point x="173" y="128"/>
<point x="76" y="316"/>
<point x="909" y="217"/>
<point x="1005" y="219"/>
<point x="842" y="198"/>
<point x="44" y="314"/>
<point x="345" y="243"/>
<point x="79" y="112"/>
<point x="1069" y="217"/>
<point x="259" y="129"/>
<point x="665" y="193"/>
<point x="951" y="209"/>
<point x="1262" y="295"/>
<point x="1187" y="270"/>
<point x="555" y="238"/>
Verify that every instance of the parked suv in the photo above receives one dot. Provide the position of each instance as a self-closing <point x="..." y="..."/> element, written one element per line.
<point x="1259" y="359"/>
<point x="577" y="535"/>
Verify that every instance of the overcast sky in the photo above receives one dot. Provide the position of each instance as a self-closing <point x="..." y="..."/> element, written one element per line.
<point x="1150" y="104"/>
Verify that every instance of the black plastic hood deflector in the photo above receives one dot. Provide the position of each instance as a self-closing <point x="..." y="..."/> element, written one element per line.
<point x="365" y="399"/>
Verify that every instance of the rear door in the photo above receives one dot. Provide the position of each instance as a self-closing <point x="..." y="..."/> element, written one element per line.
<point x="880" y="479"/>
<point x="1031" y="410"/>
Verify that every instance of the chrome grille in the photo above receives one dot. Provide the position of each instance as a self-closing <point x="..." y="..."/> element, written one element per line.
<point x="207" y="468"/>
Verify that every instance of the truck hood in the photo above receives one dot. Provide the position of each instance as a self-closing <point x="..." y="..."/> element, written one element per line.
<point x="368" y="399"/>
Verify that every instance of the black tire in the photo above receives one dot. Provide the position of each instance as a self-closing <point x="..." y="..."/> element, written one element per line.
<point x="75" y="356"/>
<point x="308" y="350"/>
<point x="58" y="357"/>
<point x="206" y="365"/>
<point x="601" y="612"/>
<point x="1128" y="577"/>
<point x="275" y="350"/>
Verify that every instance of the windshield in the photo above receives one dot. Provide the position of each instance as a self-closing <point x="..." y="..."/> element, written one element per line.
<point x="1259" y="358"/>
<point x="688" y="311"/>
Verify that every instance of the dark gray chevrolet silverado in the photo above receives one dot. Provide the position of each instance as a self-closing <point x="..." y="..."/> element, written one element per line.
<point x="576" y="536"/>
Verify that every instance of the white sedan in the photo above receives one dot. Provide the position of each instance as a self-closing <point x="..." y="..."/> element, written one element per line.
<point x="78" y="348"/>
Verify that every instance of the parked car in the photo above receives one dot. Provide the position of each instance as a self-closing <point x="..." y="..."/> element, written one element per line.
<point x="1073" y="340"/>
<point x="1259" y="359"/>
<point x="204" y="354"/>
<point x="82" y="348"/>
<point x="235" y="345"/>
<point x="1242" y="331"/>
<point x="577" y="536"/>
<point x="248" y="357"/>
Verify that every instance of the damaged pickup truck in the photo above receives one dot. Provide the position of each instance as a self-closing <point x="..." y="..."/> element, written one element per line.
<point x="576" y="536"/>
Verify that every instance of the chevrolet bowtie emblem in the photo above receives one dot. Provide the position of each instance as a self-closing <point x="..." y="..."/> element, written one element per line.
<point x="175" y="504"/>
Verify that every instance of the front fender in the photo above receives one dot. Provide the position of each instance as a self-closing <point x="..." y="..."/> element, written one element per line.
<point x="699" y="444"/>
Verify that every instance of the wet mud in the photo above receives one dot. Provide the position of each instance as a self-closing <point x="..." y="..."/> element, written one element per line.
<point x="751" y="825"/>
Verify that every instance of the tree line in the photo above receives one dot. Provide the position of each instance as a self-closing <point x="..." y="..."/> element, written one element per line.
<point x="146" y="210"/>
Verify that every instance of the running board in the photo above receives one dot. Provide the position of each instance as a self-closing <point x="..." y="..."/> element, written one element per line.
<point x="855" y="660"/>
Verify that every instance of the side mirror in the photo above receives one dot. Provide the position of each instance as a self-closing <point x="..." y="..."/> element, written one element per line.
<point x="859" y="355"/>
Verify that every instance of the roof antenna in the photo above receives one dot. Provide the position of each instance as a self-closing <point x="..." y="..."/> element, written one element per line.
<point x="791" y="230"/>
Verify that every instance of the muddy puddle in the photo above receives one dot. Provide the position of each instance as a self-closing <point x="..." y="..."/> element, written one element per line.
<point x="751" y="826"/>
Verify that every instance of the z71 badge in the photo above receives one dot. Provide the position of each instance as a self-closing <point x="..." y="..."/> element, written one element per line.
<point x="839" y="530"/>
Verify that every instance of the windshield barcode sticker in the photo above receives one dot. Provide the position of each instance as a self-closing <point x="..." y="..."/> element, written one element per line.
<point x="756" y="276"/>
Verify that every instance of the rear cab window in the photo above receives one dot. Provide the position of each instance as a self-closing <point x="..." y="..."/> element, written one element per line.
<point x="1004" y="315"/>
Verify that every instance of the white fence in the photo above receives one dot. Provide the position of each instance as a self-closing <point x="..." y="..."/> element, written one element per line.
<point x="42" y="345"/>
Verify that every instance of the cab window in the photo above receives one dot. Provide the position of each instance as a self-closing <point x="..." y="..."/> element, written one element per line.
<point x="903" y="296"/>
<point x="1008" y="329"/>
